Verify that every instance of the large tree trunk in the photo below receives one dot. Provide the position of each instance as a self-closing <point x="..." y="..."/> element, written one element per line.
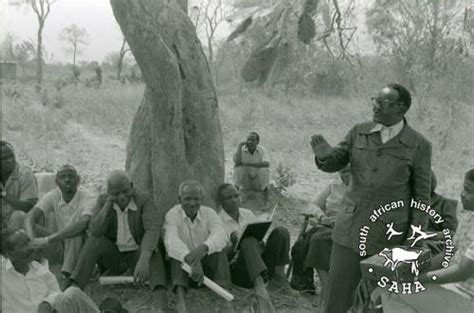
<point x="176" y="133"/>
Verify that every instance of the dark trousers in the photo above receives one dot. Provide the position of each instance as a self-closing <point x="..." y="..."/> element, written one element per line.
<point x="104" y="252"/>
<point x="215" y="266"/>
<point x="319" y="249"/>
<point x="251" y="261"/>
<point x="344" y="277"/>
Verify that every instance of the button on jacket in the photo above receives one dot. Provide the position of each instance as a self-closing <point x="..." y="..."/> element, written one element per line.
<point x="381" y="173"/>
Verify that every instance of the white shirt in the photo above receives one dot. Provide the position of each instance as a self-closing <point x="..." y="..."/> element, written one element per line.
<point x="67" y="213"/>
<point x="24" y="293"/>
<point x="183" y="235"/>
<point x="125" y="241"/>
<point x="388" y="132"/>
<point x="257" y="156"/>
<point x="230" y="225"/>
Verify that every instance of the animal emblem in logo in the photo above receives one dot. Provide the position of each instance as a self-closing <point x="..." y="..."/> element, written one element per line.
<point x="397" y="255"/>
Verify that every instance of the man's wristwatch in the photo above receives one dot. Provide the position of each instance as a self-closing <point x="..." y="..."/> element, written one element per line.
<point x="3" y="194"/>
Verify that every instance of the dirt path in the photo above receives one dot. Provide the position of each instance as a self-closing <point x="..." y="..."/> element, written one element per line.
<point x="99" y="151"/>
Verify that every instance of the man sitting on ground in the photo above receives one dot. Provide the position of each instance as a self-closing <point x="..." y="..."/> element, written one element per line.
<point x="449" y="289"/>
<point x="253" y="265"/>
<point x="251" y="170"/>
<point x="125" y="230"/>
<point x="18" y="188"/>
<point x="29" y="286"/>
<point x="317" y="252"/>
<point x="446" y="208"/>
<point x="194" y="234"/>
<point x="72" y="208"/>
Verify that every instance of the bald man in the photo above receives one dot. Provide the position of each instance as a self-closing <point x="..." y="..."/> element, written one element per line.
<point x="194" y="234"/>
<point x="72" y="209"/>
<point x="124" y="238"/>
<point x="18" y="189"/>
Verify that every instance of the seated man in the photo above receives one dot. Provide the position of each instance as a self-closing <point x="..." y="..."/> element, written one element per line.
<point x="253" y="263"/>
<point x="194" y="234"/>
<point x="446" y="208"/>
<point x="125" y="230"/>
<point x="72" y="209"/>
<point x="251" y="170"/>
<point x="29" y="286"/>
<point x="19" y="191"/>
<point x="449" y="289"/>
<point x="316" y="254"/>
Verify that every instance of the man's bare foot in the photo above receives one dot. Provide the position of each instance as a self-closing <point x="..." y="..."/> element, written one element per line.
<point x="181" y="305"/>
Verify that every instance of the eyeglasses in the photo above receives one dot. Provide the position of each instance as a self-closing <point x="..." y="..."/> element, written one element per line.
<point x="384" y="104"/>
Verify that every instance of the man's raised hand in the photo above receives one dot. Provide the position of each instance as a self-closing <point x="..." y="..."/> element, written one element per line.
<point x="321" y="148"/>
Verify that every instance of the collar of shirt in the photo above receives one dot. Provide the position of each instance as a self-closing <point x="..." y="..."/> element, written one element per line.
<point x="32" y="267"/>
<point x="231" y="225"/>
<point x="187" y="218"/>
<point x="389" y="131"/>
<point x="245" y="149"/>
<point x="130" y="207"/>
<point x="395" y="128"/>
<point x="74" y="199"/>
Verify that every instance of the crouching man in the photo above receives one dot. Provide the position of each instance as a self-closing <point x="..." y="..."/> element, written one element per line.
<point x="125" y="231"/>
<point x="72" y="209"/>
<point x="194" y="234"/>
<point x="255" y="262"/>
<point x="29" y="286"/>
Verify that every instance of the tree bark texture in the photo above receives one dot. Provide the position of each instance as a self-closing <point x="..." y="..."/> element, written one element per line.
<point x="176" y="133"/>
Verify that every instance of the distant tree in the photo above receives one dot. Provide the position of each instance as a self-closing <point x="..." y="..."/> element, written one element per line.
<point x="74" y="37"/>
<point x="206" y="16"/>
<point x="121" y="57"/>
<point x="41" y="8"/>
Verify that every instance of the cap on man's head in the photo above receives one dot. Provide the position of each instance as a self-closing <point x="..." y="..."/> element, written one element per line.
<point x="67" y="167"/>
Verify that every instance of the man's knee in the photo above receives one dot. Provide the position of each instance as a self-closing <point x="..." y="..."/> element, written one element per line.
<point x="17" y="219"/>
<point x="281" y="233"/>
<point x="249" y="243"/>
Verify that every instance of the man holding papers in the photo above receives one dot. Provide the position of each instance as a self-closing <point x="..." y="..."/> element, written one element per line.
<point x="253" y="262"/>
<point x="194" y="235"/>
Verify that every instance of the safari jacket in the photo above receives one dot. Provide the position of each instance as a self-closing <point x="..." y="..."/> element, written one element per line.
<point x="145" y="223"/>
<point x="381" y="173"/>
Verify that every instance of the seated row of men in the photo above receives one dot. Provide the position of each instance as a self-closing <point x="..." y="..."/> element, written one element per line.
<point x="120" y="232"/>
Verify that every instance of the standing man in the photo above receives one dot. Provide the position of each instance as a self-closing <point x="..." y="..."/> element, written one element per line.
<point x="251" y="169"/>
<point x="255" y="262"/>
<point x="72" y="209"/>
<point x="389" y="161"/>
<point x="125" y="230"/>
<point x="194" y="234"/>
<point x="18" y="188"/>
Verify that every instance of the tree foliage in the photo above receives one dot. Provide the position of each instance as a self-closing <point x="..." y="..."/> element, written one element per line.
<point x="420" y="34"/>
<point x="277" y="29"/>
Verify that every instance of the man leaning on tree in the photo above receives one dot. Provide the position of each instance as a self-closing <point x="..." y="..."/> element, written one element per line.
<point x="389" y="161"/>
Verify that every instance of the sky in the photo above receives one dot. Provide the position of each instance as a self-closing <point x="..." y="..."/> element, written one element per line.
<point x="94" y="15"/>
